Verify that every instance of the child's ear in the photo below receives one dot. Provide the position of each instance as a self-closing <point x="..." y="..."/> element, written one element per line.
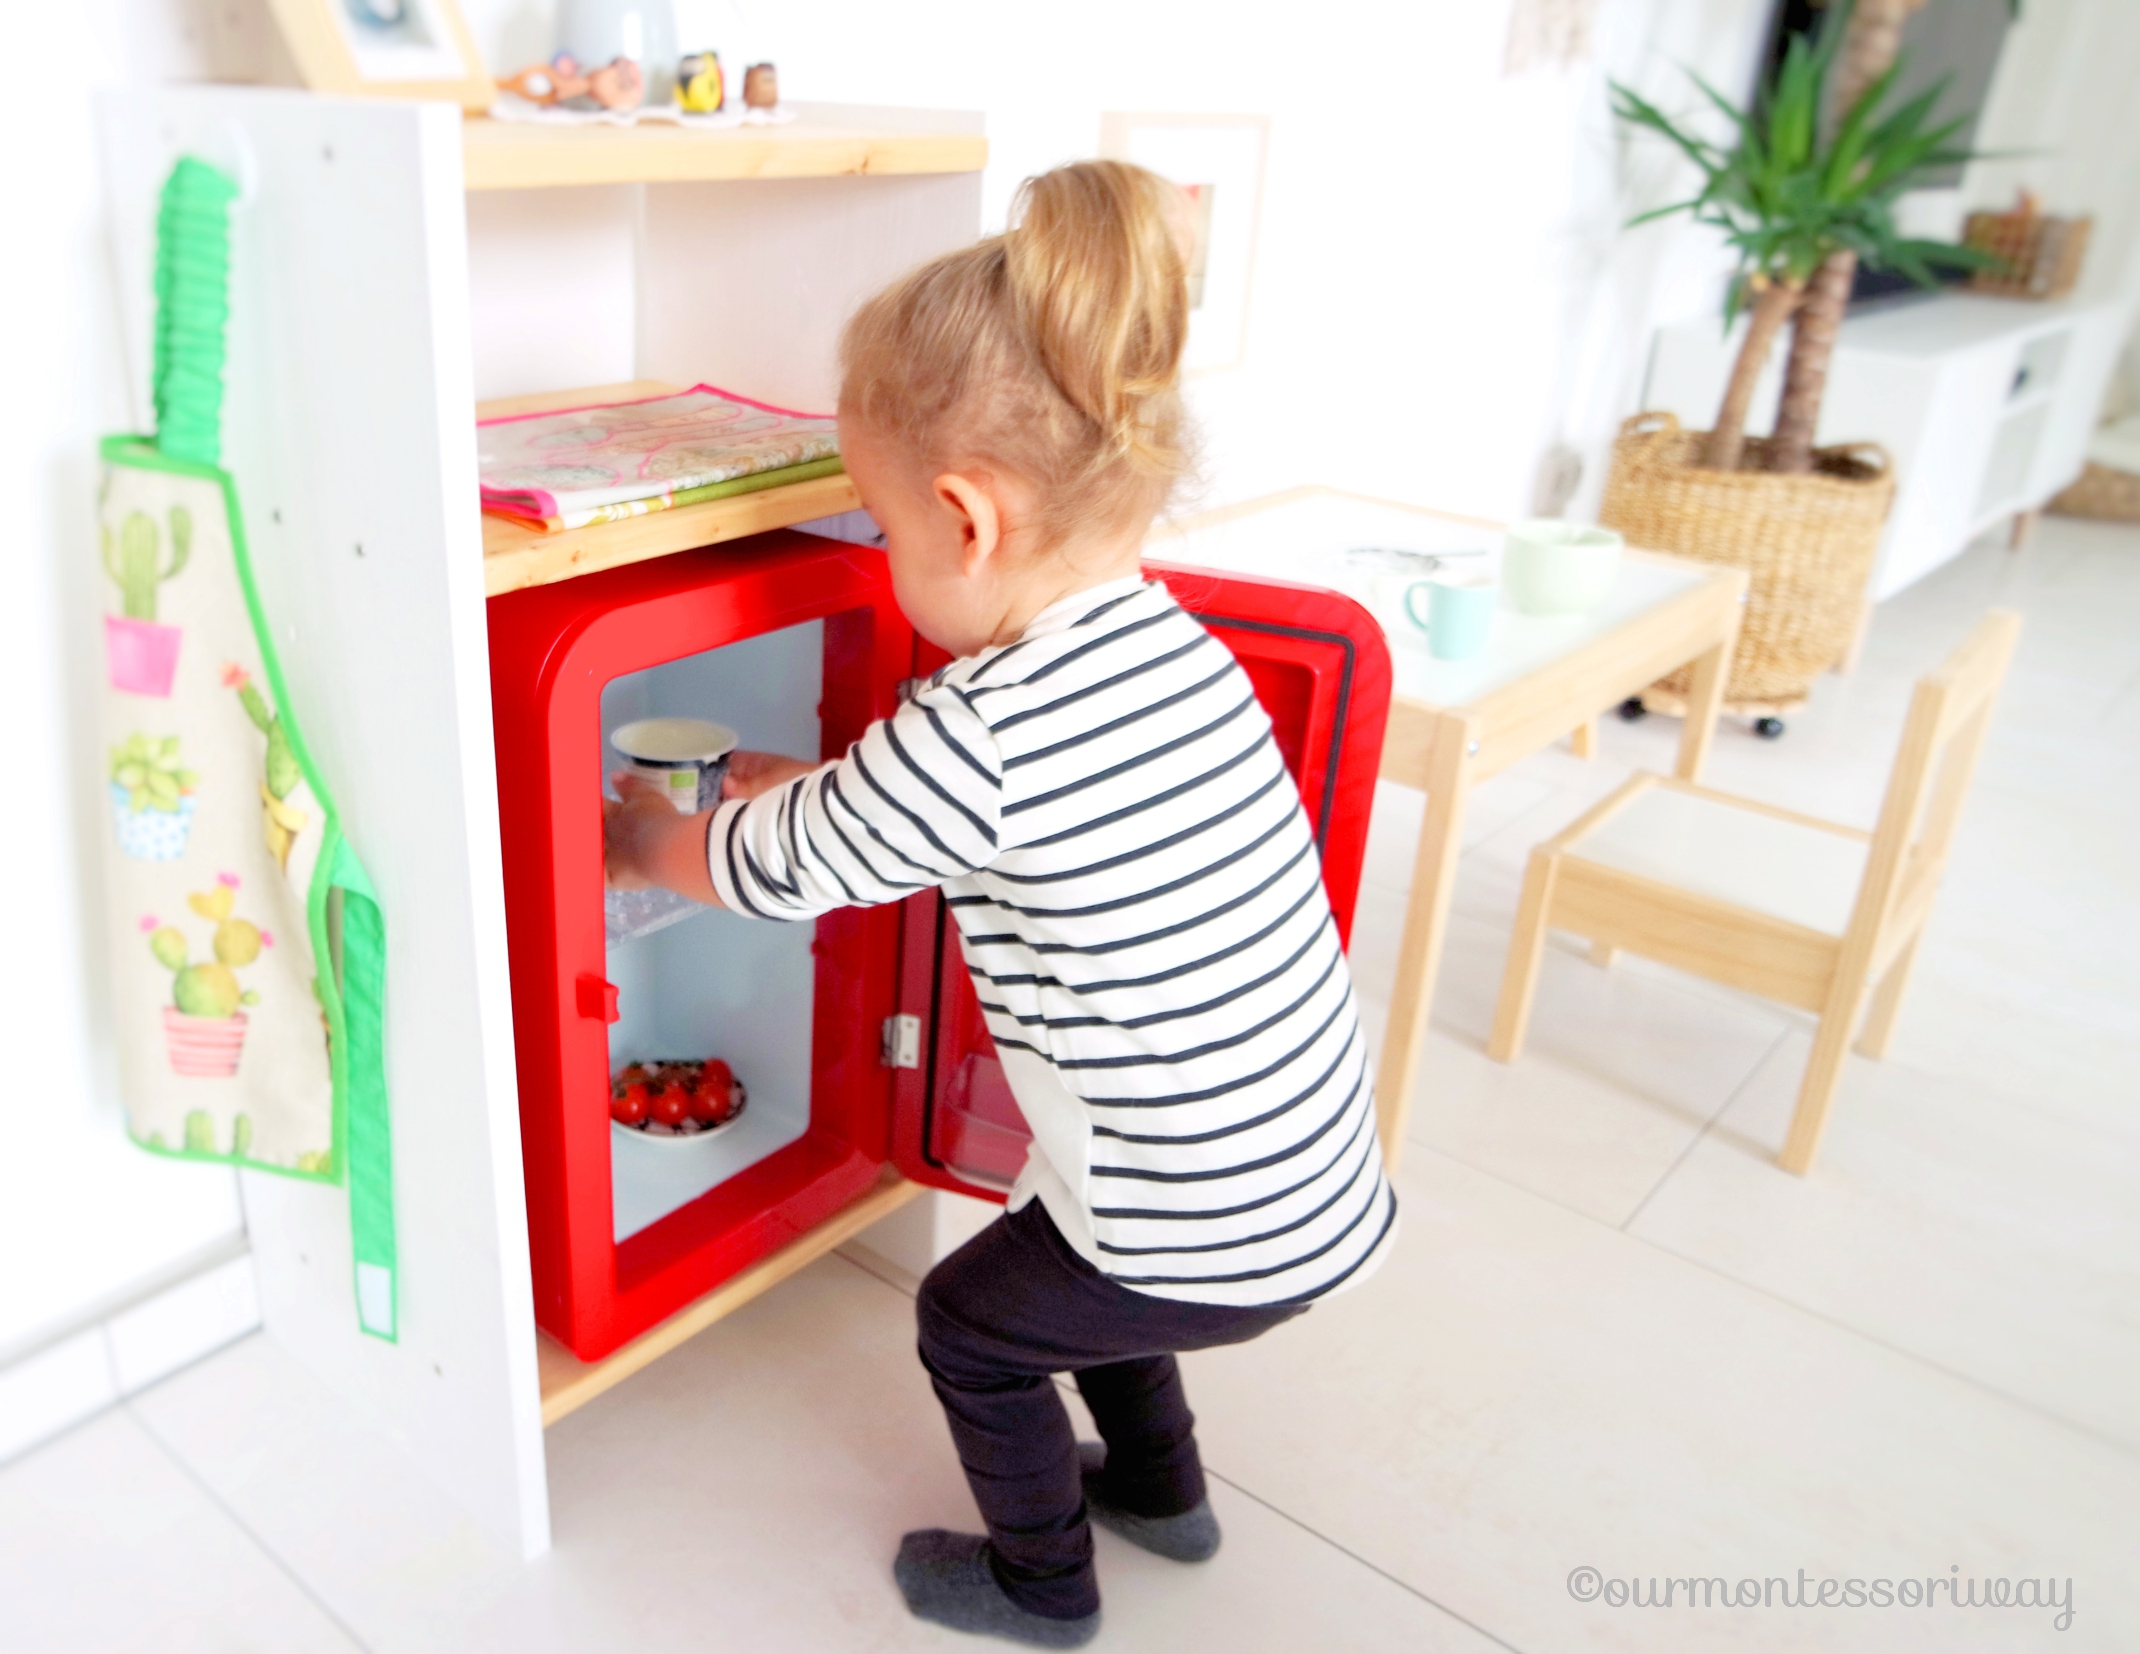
<point x="973" y="508"/>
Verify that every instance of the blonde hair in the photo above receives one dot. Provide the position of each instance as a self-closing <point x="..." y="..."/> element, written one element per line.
<point x="1053" y="349"/>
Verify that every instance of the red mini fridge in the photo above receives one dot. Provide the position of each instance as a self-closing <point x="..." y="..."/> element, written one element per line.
<point x="857" y="1037"/>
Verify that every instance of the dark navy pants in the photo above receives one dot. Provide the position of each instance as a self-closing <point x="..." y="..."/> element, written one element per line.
<point x="1006" y="1311"/>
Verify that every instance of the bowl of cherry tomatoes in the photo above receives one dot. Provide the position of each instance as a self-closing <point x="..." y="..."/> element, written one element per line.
<point x="675" y="1103"/>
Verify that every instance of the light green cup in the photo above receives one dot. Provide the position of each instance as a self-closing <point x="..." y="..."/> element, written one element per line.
<point x="1455" y="608"/>
<point x="1558" y="568"/>
<point x="1460" y="614"/>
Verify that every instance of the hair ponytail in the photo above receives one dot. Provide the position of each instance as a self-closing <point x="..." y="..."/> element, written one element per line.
<point x="1097" y="278"/>
<point x="1054" y="349"/>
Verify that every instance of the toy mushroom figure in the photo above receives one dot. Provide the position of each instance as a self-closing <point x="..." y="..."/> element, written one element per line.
<point x="761" y="87"/>
<point x="699" y="87"/>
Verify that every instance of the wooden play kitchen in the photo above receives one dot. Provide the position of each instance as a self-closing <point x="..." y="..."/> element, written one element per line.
<point x="392" y="264"/>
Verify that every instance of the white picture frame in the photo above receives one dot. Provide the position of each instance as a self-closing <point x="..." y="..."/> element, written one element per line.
<point x="386" y="48"/>
<point x="397" y="40"/>
<point x="1220" y="158"/>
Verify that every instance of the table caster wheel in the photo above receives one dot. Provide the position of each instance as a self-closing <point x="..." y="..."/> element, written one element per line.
<point x="1632" y="710"/>
<point x="1769" y="729"/>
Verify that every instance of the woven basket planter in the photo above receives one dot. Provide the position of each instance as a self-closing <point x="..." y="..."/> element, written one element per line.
<point x="1807" y="543"/>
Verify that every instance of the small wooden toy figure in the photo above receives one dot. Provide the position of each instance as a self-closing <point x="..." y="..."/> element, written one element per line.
<point x="699" y="84"/>
<point x="616" y="85"/>
<point x="761" y="87"/>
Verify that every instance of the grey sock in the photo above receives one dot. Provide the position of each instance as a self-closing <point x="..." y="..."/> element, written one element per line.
<point x="945" y="1577"/>
<point x="1193" y="1536"/>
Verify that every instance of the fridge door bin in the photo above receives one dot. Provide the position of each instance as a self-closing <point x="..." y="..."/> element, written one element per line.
<point x="794" y="641"/>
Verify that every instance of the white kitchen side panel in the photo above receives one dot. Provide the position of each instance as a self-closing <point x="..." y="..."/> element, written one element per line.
<point x="746" y="285"/>
<point x="348" y="426"/>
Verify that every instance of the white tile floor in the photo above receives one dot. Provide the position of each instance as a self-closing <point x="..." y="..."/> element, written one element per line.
<point x="1615" y="1335"/>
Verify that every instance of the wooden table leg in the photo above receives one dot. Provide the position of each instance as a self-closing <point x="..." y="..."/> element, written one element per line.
<point x="1426" y="919"/>
<point x="1583" y="739"/>
<point x="1705" y="698"/>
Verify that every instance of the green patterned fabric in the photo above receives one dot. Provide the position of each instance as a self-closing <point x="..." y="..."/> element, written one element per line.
<point x="248" y="946"/>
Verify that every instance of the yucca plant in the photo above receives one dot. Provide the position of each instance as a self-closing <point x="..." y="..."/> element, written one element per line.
<point x="1787" y="195"/>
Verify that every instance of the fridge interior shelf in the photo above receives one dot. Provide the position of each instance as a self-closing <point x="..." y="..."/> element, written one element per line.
<point x="515" y="558"/>
<point x="824" y="143"/>
<point x="568" y="1382"/>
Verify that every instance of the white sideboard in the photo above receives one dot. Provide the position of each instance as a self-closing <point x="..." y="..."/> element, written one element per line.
<point x="1985" y="403"/>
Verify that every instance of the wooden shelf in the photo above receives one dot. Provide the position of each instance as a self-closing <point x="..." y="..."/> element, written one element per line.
<point x="568" y="1382"/>
<point x="507" y="155"/>
<point x="515" y="557"/>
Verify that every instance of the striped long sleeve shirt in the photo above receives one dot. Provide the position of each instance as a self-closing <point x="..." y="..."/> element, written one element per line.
<point x="1142" y="911"/>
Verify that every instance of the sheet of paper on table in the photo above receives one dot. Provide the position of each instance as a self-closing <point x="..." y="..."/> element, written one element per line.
<point x="1312" y="538"/>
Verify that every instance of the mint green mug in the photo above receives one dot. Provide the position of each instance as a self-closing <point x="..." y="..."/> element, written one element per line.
<point x="1460" y="614"/>
<point x="1454" y="609"/>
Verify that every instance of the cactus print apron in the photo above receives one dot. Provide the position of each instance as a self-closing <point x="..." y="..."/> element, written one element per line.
<point x="247" y="946"/>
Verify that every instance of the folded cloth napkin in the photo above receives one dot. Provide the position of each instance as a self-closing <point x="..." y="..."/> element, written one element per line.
<point x="594" y="464"/>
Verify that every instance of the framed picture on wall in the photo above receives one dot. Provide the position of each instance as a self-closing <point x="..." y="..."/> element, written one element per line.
<point x="1218" y="160"/>
<point x="385" y="48"/>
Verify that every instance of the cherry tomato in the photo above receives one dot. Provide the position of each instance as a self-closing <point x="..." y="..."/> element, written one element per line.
<point x="629" y="1106"/>
<point x="672" y="1107"/>
<point x="711" y="1102"/>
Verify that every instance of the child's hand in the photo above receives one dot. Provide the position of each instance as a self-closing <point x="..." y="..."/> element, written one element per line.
<point x="752" y="773"/>
<point x="636" y="830"/>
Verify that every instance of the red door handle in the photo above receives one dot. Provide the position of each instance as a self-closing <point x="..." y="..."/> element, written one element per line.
<point x="597" y="999"/>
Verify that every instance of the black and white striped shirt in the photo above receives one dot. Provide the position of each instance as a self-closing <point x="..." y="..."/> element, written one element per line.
<point x="1143" y="913"/>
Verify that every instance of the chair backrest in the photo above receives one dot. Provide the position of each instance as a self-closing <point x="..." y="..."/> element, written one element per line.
<point x="1941" y="740"/>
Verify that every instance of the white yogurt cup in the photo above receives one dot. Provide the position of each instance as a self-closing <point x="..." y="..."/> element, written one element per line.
<point x="684" y="757"/>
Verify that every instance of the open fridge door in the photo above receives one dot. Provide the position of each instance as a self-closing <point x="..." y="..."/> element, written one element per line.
<point x="1321" y="668"/>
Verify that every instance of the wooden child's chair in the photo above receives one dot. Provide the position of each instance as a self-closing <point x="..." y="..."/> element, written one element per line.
<point x="1784" y="905"/>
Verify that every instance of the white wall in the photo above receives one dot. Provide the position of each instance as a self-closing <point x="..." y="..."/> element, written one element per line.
<point x="1443" y="288"/>
<point x="2065" y="107"/>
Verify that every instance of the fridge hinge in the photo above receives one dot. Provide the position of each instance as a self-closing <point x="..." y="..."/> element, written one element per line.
<point x="899" y="1043"/>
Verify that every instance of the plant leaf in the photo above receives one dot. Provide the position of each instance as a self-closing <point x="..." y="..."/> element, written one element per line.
<point x="1785" y="197"/>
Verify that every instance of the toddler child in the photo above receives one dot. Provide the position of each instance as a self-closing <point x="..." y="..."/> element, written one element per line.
<point x="1095" y="788"/>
